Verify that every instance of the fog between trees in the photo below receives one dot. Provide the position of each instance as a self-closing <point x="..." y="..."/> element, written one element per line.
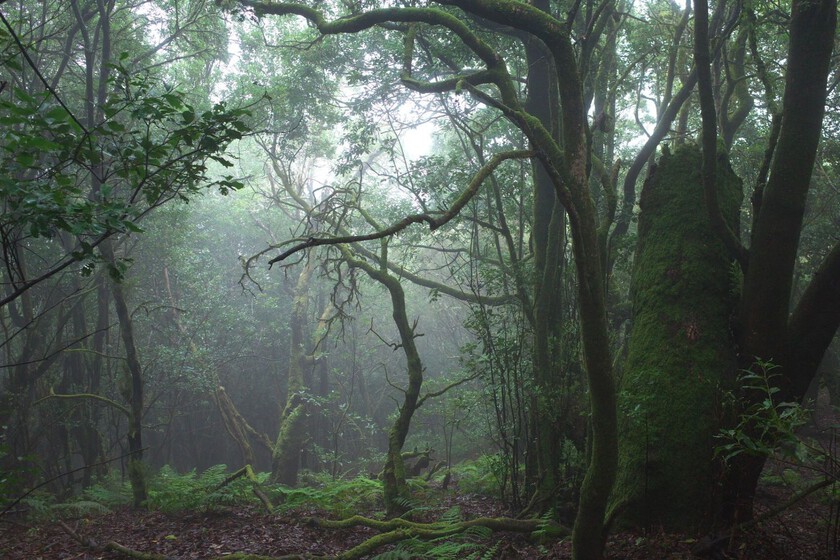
<point x="614" y="268"/>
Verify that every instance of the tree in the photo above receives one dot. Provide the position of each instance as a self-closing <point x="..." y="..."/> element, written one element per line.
<point x="84" y="174"/>
<point x="568" y="164"/>
<point x="565" y="160"/>
<point x="766" y="328"/>
<point x="738" y="328"/>
<point x="683" y="291"/>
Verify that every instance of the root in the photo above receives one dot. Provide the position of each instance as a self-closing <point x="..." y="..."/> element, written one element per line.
<point x="391" y="531"/>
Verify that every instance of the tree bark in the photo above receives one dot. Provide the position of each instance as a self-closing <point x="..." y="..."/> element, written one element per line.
<point x="395" y="487"/>
<point x="680" y="353"/>
<point x="132" y="386"/>
<point x="292" y="432"/>
<point x="548" y="242"/>
<point x="764" y="323"/>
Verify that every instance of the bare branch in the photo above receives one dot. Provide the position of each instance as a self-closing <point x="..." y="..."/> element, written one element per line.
<point x="434" y="219"/>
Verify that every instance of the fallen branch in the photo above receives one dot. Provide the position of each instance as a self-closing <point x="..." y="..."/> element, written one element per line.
<point x="110" y="546"/>
<point x="396" y="530"/>
<point x="248" y="473"/>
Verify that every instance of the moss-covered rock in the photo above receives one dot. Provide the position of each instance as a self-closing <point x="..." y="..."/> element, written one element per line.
<point x="680" y="354"/>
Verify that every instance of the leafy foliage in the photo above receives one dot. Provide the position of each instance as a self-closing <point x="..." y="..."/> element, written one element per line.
<point x="170" y="491"/>
<point x="151" y="146"/>
<point x="339" y="497"/>
<point x="765" y="427"/>
<point x="482" y="476"/>
<point x="113" y="491"/>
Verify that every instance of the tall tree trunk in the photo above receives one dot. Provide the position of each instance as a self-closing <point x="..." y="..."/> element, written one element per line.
<point x="292" y="433"/>
<point x="548" y="238"/>
<point x="681" y="351"/>
<point x="765" y="329"/>
<point x="132" y="386"/>
<point x="395" y="488"/>
<point x="393" y="475"/>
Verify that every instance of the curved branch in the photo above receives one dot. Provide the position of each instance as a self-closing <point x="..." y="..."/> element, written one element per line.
<point x="662" y="128"/>
<point x="373" y="18"/>
<point x="622" y="223"/>
<point x="440" y="392"/>
<point x="434" y="219"/>
<point x="450" y="84"/>
<point x="91" y="396"/>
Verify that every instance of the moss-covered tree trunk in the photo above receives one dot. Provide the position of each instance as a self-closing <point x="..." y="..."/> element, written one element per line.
<point x="395" y="487"/>
<point x="291" y="436"/>
<point x="680" y="352"/>
<point x="548" y="239"/>
<point x="393" y="475"/>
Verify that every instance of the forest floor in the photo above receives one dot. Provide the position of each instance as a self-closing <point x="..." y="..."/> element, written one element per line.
<point x="807" y="530"/>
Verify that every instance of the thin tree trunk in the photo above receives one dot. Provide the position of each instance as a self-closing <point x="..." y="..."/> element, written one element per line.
<point x="292" y="433"/>
<point x="133" y="386"/>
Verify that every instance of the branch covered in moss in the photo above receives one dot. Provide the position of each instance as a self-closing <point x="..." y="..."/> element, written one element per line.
<point x="248" y="473"/>
<point x="91" y="396"/>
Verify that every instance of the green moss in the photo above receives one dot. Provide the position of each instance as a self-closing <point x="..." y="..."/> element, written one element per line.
<point x="680" y="352"/>
<point x="285" y="455"/>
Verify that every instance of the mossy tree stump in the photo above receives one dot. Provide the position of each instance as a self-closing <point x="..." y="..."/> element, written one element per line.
<point x="680" y="355"/>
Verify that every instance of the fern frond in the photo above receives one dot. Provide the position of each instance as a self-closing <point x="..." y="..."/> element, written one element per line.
<point x="452" y="515"/>
<point x="478" y="532"/>
<point x="490" y="553"/>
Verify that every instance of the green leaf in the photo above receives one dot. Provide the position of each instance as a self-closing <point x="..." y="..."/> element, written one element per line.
<point x="44" y="144"/>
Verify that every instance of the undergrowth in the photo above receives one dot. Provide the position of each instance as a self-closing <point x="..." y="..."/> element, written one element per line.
<point x="170" y="491"/>
<point x="338" y="497"/>
<point x="480" y="476"/>
<point x="472" y="544"/>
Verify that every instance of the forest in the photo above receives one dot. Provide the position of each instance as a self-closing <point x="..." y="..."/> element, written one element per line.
<point x="350" y="279"/>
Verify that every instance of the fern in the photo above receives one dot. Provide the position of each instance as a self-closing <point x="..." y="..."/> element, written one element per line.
<point x="451" y="550"/>
<point x="339" y="497"/>
<point x="490" y="553"/>
<point x="481" y="476"/>
<point x="452" y="515"/>
<point x="470" y="544"/>
<point x="41" y="508"/>
<point x="111" y="492"/>
<point x="395" y="554"/>
<point x="38" y="505"/>
<point x="477" y="532"/>
<point x="171" y="491"/>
